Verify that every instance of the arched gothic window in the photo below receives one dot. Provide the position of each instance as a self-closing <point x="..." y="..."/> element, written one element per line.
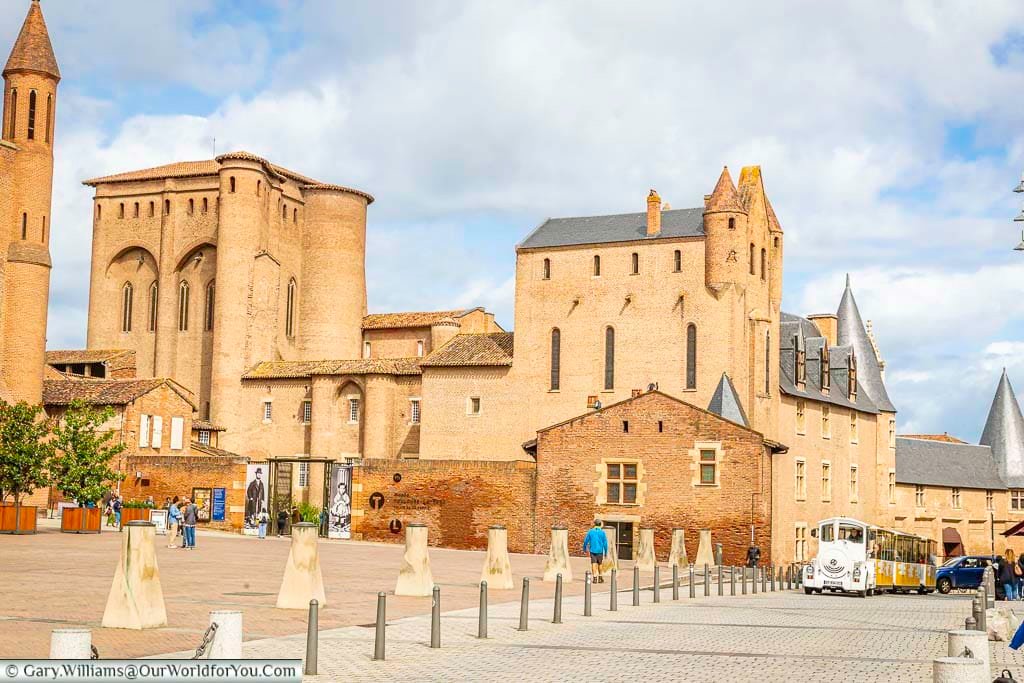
<point x="32" y="115"/>
<point x="289" y="312"/>
<point x="752" y="252"/>
<point x="635" y="263"/>
<point x="691" y="356"/>
<point x="210" y="294"/>
<point x="556" y="358"/>
<point x="609" y="358"/>
<point x="153" y="292"/>
<point x="295" y="216"/>
<point x="547" y="269"/>
<point x="183" y="306"/>
<point x="127" y="294"/>
<point x="764" y="264"/>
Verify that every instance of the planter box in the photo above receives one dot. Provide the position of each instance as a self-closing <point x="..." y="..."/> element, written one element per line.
<point x="20" y="521"/>
<point x="134" y="514"/>
<point x="81" y="520"/>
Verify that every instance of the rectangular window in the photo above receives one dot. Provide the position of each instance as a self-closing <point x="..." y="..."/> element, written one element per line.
<point x="892" y="488"/>
<point x="158" y="431"/>
<point x="853" y="426"/>
<point x="144" y="431"/>
<point x="853" y="483"/>
<point x="366" y="349"/>
<point x="307" y="411"/>
<point x="801" y="480"/>
<point x="826" y="481"/>
<point x="473" y="405"/>
<point x="414" y="411"/>
<point x="826" y="421"/>
<point x="204" y="437"/>
<point x="303" y="475"/>
<point x="419" y="348"/>
<point x="919" y="495"/>
<point x="800" y="547"/>
<point x="990" y="503"/>
<point x="892" y="432"/>
<point x="708" y="467"/>
<point x="177" y="433"/>
<point x="1017" y="499"/>
<point x="954" y="498"/>
<point x="622" y="483"/>
<point x="801" y="418"/>
<point x="268" y="411"/>
<point x="353" y="410"/>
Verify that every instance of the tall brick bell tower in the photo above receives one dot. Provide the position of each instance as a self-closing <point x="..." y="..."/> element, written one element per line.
<point x="30" y="104"/>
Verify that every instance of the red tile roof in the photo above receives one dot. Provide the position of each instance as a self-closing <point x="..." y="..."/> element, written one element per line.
<point x="384" y="321"/>
<point x="491" y="349"/>
<point x="106" y="392"/>
<point x="32" y="50"/>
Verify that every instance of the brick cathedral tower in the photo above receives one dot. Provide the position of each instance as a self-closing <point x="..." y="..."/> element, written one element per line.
<point x="26" y="177"/>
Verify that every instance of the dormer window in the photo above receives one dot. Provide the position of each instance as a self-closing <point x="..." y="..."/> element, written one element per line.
<point x="851" y="389"/>
<point x="826" y="377"/>
<point x="801" y="361"/>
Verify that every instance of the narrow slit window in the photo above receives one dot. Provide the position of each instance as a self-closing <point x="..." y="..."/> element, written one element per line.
<point x="211" y="292"/>
<point x="152" y="209"/>
<point x="295" y="216"/>
<point x="732" y="223"/>
<point x="597" y="266"/>
<point x="49" y="116"/>
<point x="135" y="211"/>
<point x="167" y="207"/>
<point x="44" y="230"/>
<point x="153" y="292"/>
<point x="183" y="306"/>
<point x="677" y="261"/>
<point x="289" y="313"/>
<point x="32" y="115"/>
<point x="206" y="204"/>
<point x="12" y="123"/>
<point x="232" y="184"/>
<point x="764" y="264"/>
<point x="609" y="358"/>
<point x="191" y="206"/>
<point x="547" y="269"/>
<point x="120" y="210"/>
<point x="127" y="295"/>
<point x="635" y="263"/>
<point x="691" y="356"/>
<point x="752" y="251"/>
<point x="768" y="362"/>
<point x="24" y="226"/>
<point x="556" y="358"/>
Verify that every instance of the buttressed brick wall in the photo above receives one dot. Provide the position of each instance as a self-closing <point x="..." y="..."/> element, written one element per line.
<point x="664" y="441"/>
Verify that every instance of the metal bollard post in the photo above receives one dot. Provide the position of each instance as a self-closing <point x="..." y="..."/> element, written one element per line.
<point x="753" y="579"/>
<point x="982" y="614"/>
<point x="971" y="624"/>
<point x="789" y="577"/>
<point x="707" y="581"/>
<point x="556" y="617"/>
<point x="613" y="596"/>
<point x="675" y="581"/>
<point x="312" y="637"/>
<point x="719" y="580"/>
<point x="481" y="626"/>
<point x="692" y="587"/>
<point x="732" y="580"/>
<point x="764" y="580"/>
<point x="524" y="607"/>
<point x="435" y="619"/>
<point x="771" y="577"/>
<point x="657" y="584"/>
<point x="781" y="586"/>
<point x="743" y="580"/>
<point x="587" y="594"/>
<point x="378" y="639"/>
<point x="636" y="586"/>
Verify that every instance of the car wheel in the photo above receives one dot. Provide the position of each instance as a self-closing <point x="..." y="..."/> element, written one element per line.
<point x="862" y="594"/>
<point x="944" y="585"/>
<point x="809" y="591"/>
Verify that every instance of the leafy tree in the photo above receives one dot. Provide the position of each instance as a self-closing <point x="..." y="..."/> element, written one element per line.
<point x="25" y="451"/>
<point x="81" y="462"/>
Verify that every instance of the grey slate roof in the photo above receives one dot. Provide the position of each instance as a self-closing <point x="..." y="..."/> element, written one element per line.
<point x="623" y="227"/>
<point x="1004" y="433"/>
<point x="853" y="333"/>
<point x="726" y="403"/>
<point x="939" y="463"/>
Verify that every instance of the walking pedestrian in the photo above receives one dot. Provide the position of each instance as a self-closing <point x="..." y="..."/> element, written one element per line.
<point x="108" y="512"/>
<point x="190" y="515"/>
<point x="174" y="522"/>
<point x="116" y="503"/>
<point x="263" y="518"/>
<point x="282" y="521"/>
<point x="596" y="543"/>
<point x="1009" y="572"/>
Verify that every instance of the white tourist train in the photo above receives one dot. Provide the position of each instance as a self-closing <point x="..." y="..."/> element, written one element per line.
<point x="857" y="557"/>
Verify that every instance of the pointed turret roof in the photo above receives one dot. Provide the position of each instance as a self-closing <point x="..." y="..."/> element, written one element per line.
<point x="32" y="50"/>
<point x="773" y="220"/>
<point x="724" y="197"/>
<point x="853" y="333"/>
<point x="726" y="403"/>
<point x="1004" y="433"/>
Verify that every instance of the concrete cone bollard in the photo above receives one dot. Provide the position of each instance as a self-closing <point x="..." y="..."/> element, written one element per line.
<point x="227" y="642"/>
<point x="136" y="599"/>
<point x="677" y="553"/>
<point x="959" y="643"/>
<point x="959" y="670"/>
<point x="302" y="580"/>
<point x="71" y="643"/>
<point x="558" y="556"/>
<point x="704" y="550"/>
<point x="611" y="558"/>
<point x="414" y="576"/>
<point x="497" y="565"/>
<point x="645" y="550"/>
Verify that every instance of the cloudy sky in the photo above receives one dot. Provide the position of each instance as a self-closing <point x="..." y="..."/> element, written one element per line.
<point x="889" y="134"/>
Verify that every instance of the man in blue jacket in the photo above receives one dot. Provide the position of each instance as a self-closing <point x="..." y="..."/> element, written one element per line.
<point x="596" y="543"/>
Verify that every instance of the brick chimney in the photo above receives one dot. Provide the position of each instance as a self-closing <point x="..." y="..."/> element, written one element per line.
<point x="653" y="214"/>
<point x="828" y="324"/>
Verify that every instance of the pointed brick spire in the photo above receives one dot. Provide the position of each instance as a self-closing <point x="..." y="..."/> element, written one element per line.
<point x="724" y="197"/>
<point x="1004" y="433"/>
<point x="773" y="221"/>
<point x="32" y="50"/>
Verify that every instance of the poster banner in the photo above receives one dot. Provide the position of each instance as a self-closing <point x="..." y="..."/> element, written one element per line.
<point x="201" y="497"/>
<point x="159" y="519"/>
<point x="339" y="522"/>
<point x="220" y="499"/>
<point x="255" y="497"/>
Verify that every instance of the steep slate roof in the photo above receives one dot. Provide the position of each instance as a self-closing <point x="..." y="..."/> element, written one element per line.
<point x="853" y="333"/>
<point x="726" y="403"/>
<point x="491" y="349"/>
<point x="623" y="227"/>
<point x="296" y="369"/>
<point x="1004" y="433"/>
<point x="385" y="321"/>
<point x="939" y="463"/>
<point x="32" y="50"/>
<point x="106" y="392"/>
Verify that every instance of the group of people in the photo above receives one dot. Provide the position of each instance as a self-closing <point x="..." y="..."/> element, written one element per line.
<point x="1010" y="573"/>
<point x="182" y="515"/>
<point x="112" y="511"/>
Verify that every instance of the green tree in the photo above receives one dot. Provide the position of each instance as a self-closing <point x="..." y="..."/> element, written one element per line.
<point x="25" y="451"/>
<point x="80" y="467"/>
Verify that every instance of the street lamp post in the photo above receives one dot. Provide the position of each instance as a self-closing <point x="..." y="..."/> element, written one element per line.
<point x="1020" y="217"/>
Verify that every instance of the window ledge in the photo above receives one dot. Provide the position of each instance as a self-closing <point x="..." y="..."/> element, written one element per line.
<point x="266" y="422"/>
<point x="607" y="391"/>
<point x="554" y="391"/>
<point x="353" y="422"/>
<point x="708" y="486"/>
<point x="689" y="391"/>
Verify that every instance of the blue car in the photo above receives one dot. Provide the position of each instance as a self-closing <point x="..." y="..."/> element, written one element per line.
<point x="963" y="572"/>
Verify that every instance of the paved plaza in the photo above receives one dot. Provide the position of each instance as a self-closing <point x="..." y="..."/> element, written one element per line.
<point x="53" y="580"/>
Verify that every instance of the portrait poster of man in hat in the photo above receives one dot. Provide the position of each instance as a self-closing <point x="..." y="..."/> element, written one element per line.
<point x="255" y="498"/>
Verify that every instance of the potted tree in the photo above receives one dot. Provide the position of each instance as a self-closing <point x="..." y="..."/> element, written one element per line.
<point x="135" y="510"/>
<point x="25" y="454"/>
<point x="80" y="467"/>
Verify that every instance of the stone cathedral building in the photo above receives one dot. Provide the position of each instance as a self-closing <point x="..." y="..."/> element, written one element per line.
<point x="651" y="377"/>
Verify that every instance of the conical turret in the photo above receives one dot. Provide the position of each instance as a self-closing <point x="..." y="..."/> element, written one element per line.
<point x="32" y="50"/>
<point x="724" y="197"/>
<point x="726" y="403"/>
<point x="1004" y="433"/>
<point x="853" y="333"/>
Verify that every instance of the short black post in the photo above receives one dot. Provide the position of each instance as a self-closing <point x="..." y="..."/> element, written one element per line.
<point x="771" y="577"/>
<point x="764" y="580"/>
<point x="524" y="606"/>
<point x="781" y="587"/>
<point x="692" y="586"/>
<point x="743" y="580"/>
<point x="378" y="639"/>
<point x="557" y="617"/>
<point x="719" y="580"/>
<point x="587" y="594"/>
<point x="675" y="581"/>
<point x="636" y="586"/>
<point x="435" y="619"/>
<point x="753" y="579"/>
<point x="613" y="596"/>
<point x="481" y="626"/>
<point x="707" y="581"/>
<point x="732" y="580"/>
<point x="657" y="584"/>
<point x="312" y="638"/>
